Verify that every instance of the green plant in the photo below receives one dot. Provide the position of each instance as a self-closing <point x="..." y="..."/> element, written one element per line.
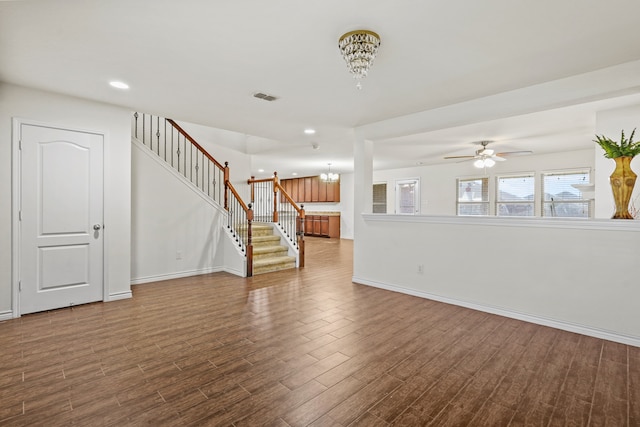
<point x="624" y="148"/>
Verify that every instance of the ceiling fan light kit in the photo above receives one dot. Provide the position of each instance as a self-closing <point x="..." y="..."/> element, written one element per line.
<point x="484" y="163"/>
<point x="486" y="157"/>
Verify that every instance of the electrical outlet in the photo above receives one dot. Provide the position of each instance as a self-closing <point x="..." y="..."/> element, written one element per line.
<point x="179" y="255"/>
<point x="420" y="268"/>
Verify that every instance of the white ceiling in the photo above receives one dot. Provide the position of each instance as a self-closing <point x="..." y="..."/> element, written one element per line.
<point x="447" y="74"/>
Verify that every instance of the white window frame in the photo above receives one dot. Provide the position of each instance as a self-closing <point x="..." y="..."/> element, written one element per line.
<point x="498" y="202"/>
<point x="487" y="203"/>
<point x="588" y="199"/>
<point x="386" y="196"/>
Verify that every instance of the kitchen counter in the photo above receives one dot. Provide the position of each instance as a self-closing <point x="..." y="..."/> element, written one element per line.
<point x="323" y="213"/>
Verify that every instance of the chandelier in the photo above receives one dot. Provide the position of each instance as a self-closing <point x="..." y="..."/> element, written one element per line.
<point x="329" y="176"/>
<point x="359" y="49"/>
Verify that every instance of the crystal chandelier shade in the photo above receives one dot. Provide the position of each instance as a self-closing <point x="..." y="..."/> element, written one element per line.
<point x="359" y="48"/>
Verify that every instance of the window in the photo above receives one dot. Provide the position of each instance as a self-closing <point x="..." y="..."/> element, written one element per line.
<point x="515" y="196"/>
<point x="561" y="198"/>
<point x="408" y="197"/>
<point x="473" y="196"/>
<point x="380" y="198"/>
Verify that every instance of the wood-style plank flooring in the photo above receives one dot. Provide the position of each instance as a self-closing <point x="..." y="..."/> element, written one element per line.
<point x="304" y="347"/>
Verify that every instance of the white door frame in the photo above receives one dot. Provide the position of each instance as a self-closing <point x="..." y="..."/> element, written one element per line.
<point x="16" y="203"/>
<point x="416" y="197"/>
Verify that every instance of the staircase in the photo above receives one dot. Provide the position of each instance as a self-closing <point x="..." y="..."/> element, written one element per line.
<point x="268" y="254"/>
<point x="260" y="247"/>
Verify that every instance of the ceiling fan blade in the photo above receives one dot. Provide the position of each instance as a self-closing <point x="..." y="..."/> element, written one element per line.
<point x="498" y="158"/>
<point x="459" y="157"/>
<point x="514" y="153"/>
<point x="467" y="160"/>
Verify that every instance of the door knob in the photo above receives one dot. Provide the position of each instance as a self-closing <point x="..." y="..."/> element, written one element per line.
<point x="97" y="227"/>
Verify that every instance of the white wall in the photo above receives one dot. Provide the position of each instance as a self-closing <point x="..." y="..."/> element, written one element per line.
<point x="64" y="111"/>
<point x="438" y="182"/>
<point x="175" y="230"/>
<point x="563" y="273"/>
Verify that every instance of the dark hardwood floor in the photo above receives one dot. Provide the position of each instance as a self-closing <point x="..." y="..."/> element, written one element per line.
<point x="305" y="347"/>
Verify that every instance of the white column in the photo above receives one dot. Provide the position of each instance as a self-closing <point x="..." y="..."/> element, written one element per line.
<point x="362" y="192"/>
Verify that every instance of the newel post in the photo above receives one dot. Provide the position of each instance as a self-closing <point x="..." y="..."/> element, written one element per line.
<point x="226" y="186"/>
<point x="301" y="237"/>
<point x="275" y="196"/>
<point x="251" y="186"/>
<point x="249" y="241"/>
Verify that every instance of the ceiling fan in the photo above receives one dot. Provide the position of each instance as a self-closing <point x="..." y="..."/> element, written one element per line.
<point x="486" y="157"/>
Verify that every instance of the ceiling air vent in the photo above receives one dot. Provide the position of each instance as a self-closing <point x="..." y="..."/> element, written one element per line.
<point x="264" y="96"/>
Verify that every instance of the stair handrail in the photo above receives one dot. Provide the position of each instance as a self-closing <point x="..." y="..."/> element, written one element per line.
<point x="293" y="227"/>
<point x="195" y="144"/>
<point x="238" y="212"/>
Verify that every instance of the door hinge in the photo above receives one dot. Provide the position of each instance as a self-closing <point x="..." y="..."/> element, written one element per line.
<point x="19" y="215"/>
<point x="20" y="286"/>
<point x="19" y="144"/>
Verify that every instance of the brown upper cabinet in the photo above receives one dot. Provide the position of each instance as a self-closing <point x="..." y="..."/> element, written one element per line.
<point x="314" y="190"/>
<point x="294" y="190"/>
<point x="311" y="189"/>
<point x="333" y="191"/>
<point x="308" y="194"/>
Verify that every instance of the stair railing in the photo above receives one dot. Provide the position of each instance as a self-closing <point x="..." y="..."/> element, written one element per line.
<point x="178" y="149"/>
<point x="268" y="206"/>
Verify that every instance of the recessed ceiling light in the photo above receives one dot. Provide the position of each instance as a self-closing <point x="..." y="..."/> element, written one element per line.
<point x="309" y="131"/>
<point x="294" y="173"/>
<point x="119" y="85"/>
<point x="260" y="170"/>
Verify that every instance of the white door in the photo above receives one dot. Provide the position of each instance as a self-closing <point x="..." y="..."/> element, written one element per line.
<point x="61" y="242"/>
<point x="408" y="197"/>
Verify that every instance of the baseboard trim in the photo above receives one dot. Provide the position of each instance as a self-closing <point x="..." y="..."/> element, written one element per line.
<point x="6" y="315"/>
<point x="120" y="295"/>
<point x="235" y="272"/>
<point x="557" y="324"/>
<point x="169" y="276"/>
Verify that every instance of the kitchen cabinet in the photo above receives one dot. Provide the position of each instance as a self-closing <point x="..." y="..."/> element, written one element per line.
<point x="314" y="190"/>
<point x="301" y="193"/>
<point x="333" y="191"/>
<point x="293" y="185"/>
<point x="308" y="194"/>
<point x="322" y="225"/>
<point x="322" y="191"/>
<point x="334" y="226"/>
<point x="311" y="189"/>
